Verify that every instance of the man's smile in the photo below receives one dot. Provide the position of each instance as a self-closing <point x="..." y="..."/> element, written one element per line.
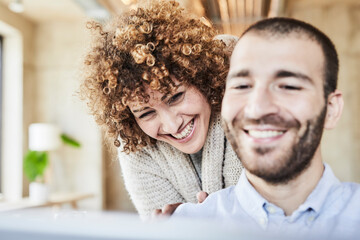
<point x="262" y="134"/>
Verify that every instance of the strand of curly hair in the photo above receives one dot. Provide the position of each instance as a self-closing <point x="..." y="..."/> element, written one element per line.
<point x="143" y="48"/>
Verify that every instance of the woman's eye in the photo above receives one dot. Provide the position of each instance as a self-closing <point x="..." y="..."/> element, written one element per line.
<point x="243" y="86"/>
<point x="290" y="87"/>
<point x="176" y="97"/>
<point x="146" y="114"/>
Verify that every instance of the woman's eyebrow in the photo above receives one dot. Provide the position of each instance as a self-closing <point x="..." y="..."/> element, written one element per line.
<point x="140" y="109"/>
<point x="164" y="97"/>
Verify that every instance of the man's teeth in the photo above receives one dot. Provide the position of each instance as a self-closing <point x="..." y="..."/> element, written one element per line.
<point x="264" y="134"/>
<point x="186" y="132"/>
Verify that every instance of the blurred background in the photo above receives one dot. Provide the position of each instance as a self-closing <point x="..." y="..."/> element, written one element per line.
<point x="41" y="46"/>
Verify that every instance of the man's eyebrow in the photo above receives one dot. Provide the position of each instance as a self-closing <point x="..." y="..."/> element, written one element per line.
<point x="285" y="74"/>
<point x="140" y="109"/>
<point x="241" y="73"/>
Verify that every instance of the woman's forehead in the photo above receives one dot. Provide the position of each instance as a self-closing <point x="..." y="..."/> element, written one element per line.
<point x="150" y="96"/>
<point x="154" y="98"/>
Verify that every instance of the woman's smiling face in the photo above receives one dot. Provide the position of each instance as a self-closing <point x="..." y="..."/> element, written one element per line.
<point x="180" y="119"/>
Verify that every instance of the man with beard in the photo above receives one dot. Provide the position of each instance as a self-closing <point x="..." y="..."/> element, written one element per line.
<point x="280" y="95"/>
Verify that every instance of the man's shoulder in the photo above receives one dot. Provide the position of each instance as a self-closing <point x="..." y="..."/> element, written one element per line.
<point x="352" y="185"/>
<point x="344" y="200"/>
<point x="351" y="191"/>
<point x="341" y="211"/>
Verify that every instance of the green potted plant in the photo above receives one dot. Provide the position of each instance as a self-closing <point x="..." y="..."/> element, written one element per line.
<point x="36" y="161"/>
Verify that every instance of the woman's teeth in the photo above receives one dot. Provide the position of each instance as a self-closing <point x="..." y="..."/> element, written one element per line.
<point x="264" y="134"/>
<point x="186" y="132"/>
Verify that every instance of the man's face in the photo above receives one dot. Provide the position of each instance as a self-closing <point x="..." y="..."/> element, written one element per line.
<point x="273" y="107"/>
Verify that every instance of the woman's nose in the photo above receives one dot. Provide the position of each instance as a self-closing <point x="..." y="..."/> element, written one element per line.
<point x="171" y="121"/>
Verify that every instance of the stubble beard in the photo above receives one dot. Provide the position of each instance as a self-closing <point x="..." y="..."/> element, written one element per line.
<point x="294" y="159"/>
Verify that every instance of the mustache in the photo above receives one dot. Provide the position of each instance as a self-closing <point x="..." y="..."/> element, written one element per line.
<point x="272" y="119"/>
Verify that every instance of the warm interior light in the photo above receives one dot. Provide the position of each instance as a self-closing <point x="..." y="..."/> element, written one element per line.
<point x="127" y="2"/>
<point x="16" y="6"/>
<point x="43" y="137"/>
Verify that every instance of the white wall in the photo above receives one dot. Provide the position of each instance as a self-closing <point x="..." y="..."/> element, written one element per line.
<point x="58" y="50"/>
<point x="52" y="55"/>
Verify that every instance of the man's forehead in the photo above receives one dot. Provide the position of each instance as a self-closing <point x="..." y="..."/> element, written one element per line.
<point x="247" y="40"/>
<point x="257" y="47"/>
<point x="273" y="35"/>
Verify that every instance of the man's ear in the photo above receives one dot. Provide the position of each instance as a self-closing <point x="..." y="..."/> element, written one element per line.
<point x="335" y="104"/>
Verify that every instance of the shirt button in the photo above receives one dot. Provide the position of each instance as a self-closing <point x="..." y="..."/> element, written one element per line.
<point x="271" y="209"/>
<point x="262" y="222"/>
<point x="311" y="218"/>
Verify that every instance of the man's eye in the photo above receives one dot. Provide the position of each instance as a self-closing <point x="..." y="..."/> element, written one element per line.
<point x="176" y="97"/>
<point x="290" y="87"/>
<point x="146" y="114"/>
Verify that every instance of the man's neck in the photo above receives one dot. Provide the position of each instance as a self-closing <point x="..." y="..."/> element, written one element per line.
<point x="291" y="195"/>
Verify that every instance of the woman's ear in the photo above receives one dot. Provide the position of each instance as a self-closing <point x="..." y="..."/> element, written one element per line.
<point x="335" y="104"/>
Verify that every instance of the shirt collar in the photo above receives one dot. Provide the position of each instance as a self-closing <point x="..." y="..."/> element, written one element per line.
<point x="253" y="203"/>
<point x="250" y="200"/>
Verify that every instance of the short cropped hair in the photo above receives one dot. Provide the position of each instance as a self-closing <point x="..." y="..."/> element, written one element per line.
<point x="285" y="26"/>
<point x="145" y="48"/>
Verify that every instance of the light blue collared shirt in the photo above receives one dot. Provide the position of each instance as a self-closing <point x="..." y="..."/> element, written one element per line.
<point x="331" y="208"/>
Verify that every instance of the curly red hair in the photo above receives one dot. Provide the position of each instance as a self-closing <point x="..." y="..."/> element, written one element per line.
<point x="143" y="48"/>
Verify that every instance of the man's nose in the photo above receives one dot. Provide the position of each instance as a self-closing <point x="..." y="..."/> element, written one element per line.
<point x="171" y="121"/>
<point x="261" y="103"/>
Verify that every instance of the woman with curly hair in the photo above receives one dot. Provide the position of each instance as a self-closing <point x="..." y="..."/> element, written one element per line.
<point x="154" y="79"/>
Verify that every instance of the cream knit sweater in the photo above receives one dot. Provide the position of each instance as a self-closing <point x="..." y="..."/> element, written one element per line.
<point x="160" y="174"/>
